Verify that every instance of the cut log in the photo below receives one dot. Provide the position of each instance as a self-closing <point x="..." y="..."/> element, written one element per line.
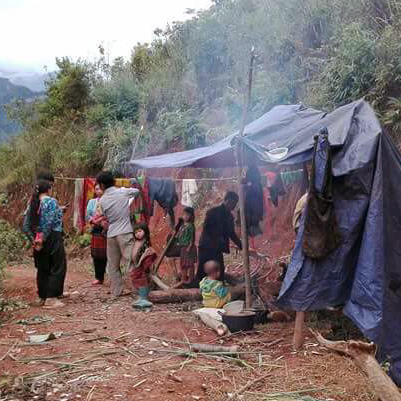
<point x="214" y="348"/>
<point x="363" y="356"/>
<point x="176" y="295"/>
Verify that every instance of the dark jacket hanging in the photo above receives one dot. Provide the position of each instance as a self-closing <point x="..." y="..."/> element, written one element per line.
<point x="277" y="190"/>
<point x="321" y="232"/>
<point x="254" y="210"/>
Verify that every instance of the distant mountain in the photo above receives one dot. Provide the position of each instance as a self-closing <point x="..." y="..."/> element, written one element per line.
<point x="32" y="80"/>
<point x="8" y="93"/>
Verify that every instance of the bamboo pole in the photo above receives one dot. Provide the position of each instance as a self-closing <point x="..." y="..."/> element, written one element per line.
<point x="239" y="154"/>
<point x="299" y="330"/>
<point x="169" y="243"/>
<point x="136" y="143"/>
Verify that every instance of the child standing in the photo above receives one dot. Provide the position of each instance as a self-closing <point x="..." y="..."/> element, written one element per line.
<point x="142" y="258"/>
<point x="186" y="242"/>
<point x="214" y="293"/>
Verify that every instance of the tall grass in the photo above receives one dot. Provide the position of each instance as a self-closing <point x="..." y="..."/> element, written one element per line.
<point x="187" y="86"/>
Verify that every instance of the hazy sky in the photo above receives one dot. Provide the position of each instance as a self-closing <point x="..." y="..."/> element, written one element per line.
<point x="34" y="32"/>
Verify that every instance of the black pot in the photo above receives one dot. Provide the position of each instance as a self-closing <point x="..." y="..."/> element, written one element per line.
<point x="243" y="321"/>
<point x="260" y="315"/>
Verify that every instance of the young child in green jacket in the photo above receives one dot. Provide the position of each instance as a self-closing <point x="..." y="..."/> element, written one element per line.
<point x="214" y="293"/>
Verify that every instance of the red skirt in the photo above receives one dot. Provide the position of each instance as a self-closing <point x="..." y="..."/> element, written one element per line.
<point x="99" y="246"/>
<point x="140" y="274"/>
<point x="188" y="257"/>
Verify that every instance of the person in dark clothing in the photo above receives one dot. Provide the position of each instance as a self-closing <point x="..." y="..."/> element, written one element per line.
<point x="43" y="223"/>
<point x="218" y="229"/>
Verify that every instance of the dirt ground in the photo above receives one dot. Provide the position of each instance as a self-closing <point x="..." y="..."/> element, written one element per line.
<point x="109" y="351"/>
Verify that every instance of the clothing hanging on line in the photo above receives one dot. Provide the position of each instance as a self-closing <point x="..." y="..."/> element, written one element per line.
<point x="189" y="190"/>
<point x="254" y="203"/>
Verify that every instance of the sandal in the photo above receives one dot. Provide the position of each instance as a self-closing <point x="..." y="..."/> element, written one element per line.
<point x="40" y="302"/>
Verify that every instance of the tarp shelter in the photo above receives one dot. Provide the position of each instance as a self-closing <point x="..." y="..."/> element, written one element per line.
<point x="364" y="273"/>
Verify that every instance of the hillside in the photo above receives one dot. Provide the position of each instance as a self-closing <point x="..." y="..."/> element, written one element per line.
<point x="186" y="88"/>
<point x="33" y="80"/>
<point x="9" y="93"/>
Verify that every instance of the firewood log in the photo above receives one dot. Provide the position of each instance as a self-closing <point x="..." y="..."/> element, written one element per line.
<point x="363" y="356"/>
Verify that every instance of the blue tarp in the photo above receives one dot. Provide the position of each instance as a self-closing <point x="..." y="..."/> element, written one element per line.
<point x="293" y="127"/>
<point x="364" y="273"/>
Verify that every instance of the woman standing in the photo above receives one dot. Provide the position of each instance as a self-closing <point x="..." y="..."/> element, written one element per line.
<point x="99" y="236"/>
<point x="43" y="223"/>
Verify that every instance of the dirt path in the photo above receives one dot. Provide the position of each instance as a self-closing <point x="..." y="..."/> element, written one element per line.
<point x="108" y="351"/>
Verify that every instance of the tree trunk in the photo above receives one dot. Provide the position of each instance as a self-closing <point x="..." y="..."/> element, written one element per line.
<point x="363" y="355"/>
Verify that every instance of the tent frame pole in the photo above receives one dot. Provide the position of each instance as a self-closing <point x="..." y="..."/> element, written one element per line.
<point x="298" y="339"/>
<point x="239" y="156"/>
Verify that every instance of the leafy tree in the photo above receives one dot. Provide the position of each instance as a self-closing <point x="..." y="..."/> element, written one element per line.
<point x="186" y="87"/>
<point x="68" y="91"/>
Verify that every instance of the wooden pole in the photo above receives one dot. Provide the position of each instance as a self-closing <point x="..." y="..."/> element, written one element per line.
<point x="163" y="254"/>
<point x="298" y="331"/>
<point x="239" y="154"/>
<point x="159" y="282"/>
<point x="136" y="143"/>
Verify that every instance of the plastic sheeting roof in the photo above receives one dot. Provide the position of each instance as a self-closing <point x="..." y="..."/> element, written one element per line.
<point x="293" y="127"/>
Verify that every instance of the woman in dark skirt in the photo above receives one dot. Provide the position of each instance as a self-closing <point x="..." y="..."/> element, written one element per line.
<point x="43" y="223"/>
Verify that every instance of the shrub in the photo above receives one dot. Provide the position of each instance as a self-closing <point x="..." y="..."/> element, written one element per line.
<point x="182" y="125"/>
<point x="117" y="140"/>
<point x="350" y="72"/>
<point x="12" y="245"/>
<point x="116" y="100"/>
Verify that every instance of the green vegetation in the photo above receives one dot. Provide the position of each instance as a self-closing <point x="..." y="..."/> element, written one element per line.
<point x="185" y="88"/>
<point x="12" y="245"/>
<point x="83" y="240"/>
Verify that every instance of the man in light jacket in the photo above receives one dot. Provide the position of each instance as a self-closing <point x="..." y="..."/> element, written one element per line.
<point x="115" y="206"/>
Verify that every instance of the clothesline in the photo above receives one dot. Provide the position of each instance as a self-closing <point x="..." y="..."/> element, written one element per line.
<point x="163" y="190"/>
<point x="174" y="179"/>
